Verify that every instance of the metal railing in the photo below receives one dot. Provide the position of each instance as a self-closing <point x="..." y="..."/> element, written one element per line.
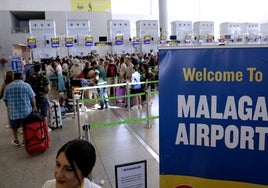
<point x="77" y="109"/>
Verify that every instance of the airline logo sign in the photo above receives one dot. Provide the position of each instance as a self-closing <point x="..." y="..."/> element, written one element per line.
<point x="214" y="132"/>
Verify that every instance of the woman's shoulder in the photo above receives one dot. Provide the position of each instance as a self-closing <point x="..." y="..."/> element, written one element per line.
<point x="50" y="184"/>
<point x="89" y="184"/>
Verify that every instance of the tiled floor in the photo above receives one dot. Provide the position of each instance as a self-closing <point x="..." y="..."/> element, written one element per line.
<point x="115" y="144"/>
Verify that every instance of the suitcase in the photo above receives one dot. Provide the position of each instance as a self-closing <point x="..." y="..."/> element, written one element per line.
<point x="35" y="133"/>
<point x="54" y="118"/>
<point x="63" y="112"/>
<point x="120" y="91"/>
<point x="132" y="100"/>
<point x="72" y="103"/>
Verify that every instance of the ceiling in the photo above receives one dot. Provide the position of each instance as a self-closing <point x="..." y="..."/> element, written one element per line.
<point x="28" y="15"/>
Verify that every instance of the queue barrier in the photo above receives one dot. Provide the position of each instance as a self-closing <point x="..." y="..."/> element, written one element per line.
<point x="86" y="127"/>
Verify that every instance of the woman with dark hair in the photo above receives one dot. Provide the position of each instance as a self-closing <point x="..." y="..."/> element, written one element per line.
<point x="8" y="79"/>
<point x="147" y="75"/>
<point x="74" y="162"/>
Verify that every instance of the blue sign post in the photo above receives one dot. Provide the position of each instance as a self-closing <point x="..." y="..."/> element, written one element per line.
<point x="16" y="63"/>
<point x="214" y="131"/>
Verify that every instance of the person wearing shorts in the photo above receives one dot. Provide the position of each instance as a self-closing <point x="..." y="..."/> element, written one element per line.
<point x="136" y="87"/>
<point x="19" y="98"/>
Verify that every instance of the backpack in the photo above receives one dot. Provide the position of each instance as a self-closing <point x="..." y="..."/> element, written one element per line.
<point x="112" y="70"/>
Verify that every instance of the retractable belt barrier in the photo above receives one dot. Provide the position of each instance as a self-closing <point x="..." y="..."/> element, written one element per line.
<point x="77" y="113"/>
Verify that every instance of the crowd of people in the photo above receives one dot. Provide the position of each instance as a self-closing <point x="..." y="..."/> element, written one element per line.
<point x="22" y="95"/>
<point x="94" y="70"/>
<point x="25" y="93"/>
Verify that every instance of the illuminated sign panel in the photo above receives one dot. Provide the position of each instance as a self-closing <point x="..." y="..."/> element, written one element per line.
<point x="119" y="40"/>
<point x="31" y="42"/>
<point x="69" y="42"/>
<point x="55" y="42"/>
<point x="89" y="41"/>
<point x="163" y="39"/>
<point x="147" y="39"/>
<point x="136" y="40"/>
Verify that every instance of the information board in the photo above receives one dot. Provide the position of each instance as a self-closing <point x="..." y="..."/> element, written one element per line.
<point x="16" y="63"/>
<point x="131" y="175"/>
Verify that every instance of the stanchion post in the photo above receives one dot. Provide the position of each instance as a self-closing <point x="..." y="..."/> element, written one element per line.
<point x="147" y="93"/>
<point x="78" y="119"/>
<point x="86" y="128"/>
<point x="128" y="97"/>
<point x="74" y="107"/>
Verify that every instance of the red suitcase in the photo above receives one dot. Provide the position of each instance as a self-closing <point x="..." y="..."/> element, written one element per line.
<point x="36" y="137"/>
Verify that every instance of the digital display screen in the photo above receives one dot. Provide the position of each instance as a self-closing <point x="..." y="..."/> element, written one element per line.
<point x="227" y="37"/>
<point x="102" y="38"/>
<point x="148" y="37"/>
<point x="136" y="38"/>
<point x="136" y="42"/>
<point x="69" y="39"/>
<point x="147" y="42"/>
<point x="118" y="42"/>
<point x="69" y="42"/>
<point x="55" y="42"/>
<point x="163" y="37"/>
<point x="88" y="43"/>
<point x="31" y="42"/>
<point x="88" y="39"/>
<point x="31" y="45"/>
<point x="119" y="38"/>
<point x="163" y="41"/>
<point x="55" y="45"/>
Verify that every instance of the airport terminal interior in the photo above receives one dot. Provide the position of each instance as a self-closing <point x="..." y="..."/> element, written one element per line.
<point x="120" y="136"/>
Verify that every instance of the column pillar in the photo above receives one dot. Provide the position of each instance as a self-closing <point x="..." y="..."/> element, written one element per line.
<point x="163" y="18"/>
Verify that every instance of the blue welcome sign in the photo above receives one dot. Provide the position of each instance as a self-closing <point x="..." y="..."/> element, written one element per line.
<point x="214" y="130"/>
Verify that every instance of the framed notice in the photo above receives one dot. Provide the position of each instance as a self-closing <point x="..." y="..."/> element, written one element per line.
<point x="131" y="175"/>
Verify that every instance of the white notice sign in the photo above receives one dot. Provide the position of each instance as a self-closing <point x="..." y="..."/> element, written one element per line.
<point x="131" y="175"/>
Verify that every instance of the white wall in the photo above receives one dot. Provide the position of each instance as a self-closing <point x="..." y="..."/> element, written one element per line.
<point x="218" y="11"/>
<point x="184" y="10"/>
<point x="59" y="10"/>
<point x="36" y="5"/>
<point x="196" y="10"/>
